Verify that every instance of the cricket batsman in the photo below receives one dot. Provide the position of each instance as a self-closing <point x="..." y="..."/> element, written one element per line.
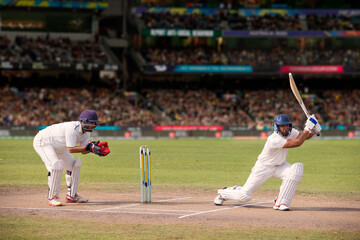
<point x="56" y="144"/>
<point x="272" y="163"/>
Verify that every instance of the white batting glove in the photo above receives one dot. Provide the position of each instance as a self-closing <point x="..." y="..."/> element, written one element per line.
<point x="313" y="116"/>
<point x="311" y="123"/>
<point x="317" y="129"/>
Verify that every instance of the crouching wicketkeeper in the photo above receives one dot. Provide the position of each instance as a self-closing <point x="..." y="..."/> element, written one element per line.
<point x="55" y="145"/>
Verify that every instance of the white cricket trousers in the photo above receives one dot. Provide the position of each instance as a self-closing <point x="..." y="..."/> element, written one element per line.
<point x="50" y="155"/>
<point x="260" y="173"/>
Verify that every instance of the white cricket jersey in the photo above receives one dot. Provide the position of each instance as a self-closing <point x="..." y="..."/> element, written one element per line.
<point x="273" y="153"/>
<point x="63" y="135"/>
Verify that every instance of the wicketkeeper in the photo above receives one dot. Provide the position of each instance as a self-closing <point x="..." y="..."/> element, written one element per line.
<point x="55" y="145"/>
<point x="272" y="163"/>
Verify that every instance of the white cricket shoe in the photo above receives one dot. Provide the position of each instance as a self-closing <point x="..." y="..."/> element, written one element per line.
<point x="282" y="207"/>
<point x="54" y="202"/>
<point x="76" y="199"/>
<point x="218" y="201"/>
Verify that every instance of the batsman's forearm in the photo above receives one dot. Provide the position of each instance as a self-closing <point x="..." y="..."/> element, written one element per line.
<point x="310" y="136"/>
<point x="292" y="143"/>
<point x="305" y="136"/>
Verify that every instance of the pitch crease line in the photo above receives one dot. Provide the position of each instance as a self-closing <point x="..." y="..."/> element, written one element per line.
<point x="174" y="199"/>
<point x="137" y="204"/>
<point x="165" y="210"/>
<point x="130" y="205"/>
<point x="91" y="211"/>
<point x="221" y="209"/>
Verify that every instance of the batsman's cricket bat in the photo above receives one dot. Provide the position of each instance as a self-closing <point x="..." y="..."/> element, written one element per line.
<point x="298" y="96"/>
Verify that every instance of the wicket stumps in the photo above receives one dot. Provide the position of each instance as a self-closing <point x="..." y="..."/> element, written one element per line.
<point x="145" y="173"/>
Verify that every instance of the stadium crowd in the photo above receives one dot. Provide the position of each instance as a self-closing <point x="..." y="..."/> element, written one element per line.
<point x="332" y="22"/>
<point x="248" y="109"/>
<point x="336" y="109"/>
<point x="232" y="20"/>
<point x="183" y="21"/>
<point x="51" y="50"/>
<point x="43" y="106"/>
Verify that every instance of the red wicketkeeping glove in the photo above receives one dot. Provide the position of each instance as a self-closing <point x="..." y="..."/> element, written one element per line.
<point x="104" y="148"/>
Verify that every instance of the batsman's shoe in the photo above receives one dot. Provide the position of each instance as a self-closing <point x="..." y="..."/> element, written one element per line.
<point x="282" y="207"/>
<point x="54" y="202"/>
<point x="218" y="201"/>
<point x="75" y="199"/>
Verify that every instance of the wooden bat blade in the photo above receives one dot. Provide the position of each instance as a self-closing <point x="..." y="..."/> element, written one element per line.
<point x="296" y="93"/>
<point x="294" y="89"/>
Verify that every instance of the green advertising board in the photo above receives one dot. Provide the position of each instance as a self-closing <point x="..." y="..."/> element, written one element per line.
<point x="180" y="33"/>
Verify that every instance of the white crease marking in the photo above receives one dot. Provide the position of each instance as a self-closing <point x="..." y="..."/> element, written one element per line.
<point x="221" y="209"/>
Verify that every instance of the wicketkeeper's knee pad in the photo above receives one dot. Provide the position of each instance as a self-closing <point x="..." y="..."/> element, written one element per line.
<point x="234" y="193"/>
<point x="54" y="178"/>
<point x="72" y="177"/>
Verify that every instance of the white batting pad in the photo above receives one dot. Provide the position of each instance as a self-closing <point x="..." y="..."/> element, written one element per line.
<point x="289" y="184"/>
<point x="54" y="179"/>
<point x="73" y="180"/>
<point x="234" y="193"/>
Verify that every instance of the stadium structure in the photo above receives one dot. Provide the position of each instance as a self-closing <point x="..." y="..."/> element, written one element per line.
<point x="177" y="69"/>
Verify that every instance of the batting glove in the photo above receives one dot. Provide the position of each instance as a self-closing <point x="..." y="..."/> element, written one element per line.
<point x="317" y="129"/>
<point x="310" y="123"/>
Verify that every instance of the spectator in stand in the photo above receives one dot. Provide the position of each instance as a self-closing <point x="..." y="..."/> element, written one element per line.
<point x="49" y="106"/>
<point x="234" y="21"/>
<point x="342" y="108"/>
<point x="338" y="109"/>
<point x="332" y="22"/>
<point x="52" y="50"/>
<point x="199" y="107"/>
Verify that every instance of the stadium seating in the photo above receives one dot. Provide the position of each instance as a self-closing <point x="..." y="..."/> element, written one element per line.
<point x="239" y="106"/>
<point x="252" y="110"/>
<point x="50" y="50"/>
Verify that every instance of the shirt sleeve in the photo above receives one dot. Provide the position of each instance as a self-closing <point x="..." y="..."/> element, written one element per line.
<point x="277" y="142"/>
<point x="294" y="133"/>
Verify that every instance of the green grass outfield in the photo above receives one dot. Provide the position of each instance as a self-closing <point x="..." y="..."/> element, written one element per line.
<point x="332" y="167"/>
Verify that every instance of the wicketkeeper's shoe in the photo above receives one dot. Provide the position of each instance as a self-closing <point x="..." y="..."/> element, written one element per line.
<point x="219" y="200"/>
<point x="75" y="199"/>
<point x="282" y="207"/>
<point x="54" y="202"/>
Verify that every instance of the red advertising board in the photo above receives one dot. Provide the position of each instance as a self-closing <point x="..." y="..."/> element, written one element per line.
<point x="312" y="69"/>
<point x="187" y="127"/>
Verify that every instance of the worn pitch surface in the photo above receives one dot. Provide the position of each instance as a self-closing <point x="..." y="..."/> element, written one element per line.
<point x="189" y="208"/>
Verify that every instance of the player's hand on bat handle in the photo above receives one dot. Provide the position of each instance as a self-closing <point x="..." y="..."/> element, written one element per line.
<point x="313" y="117"/>
<point x="310" y="123"/>
<point x="317" y="129"/>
